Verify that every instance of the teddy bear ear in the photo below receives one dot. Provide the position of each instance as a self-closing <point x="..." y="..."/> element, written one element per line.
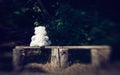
<point x="43" y="27"/>
<point x="36" y="28"/>
<point x="40" y="28"/>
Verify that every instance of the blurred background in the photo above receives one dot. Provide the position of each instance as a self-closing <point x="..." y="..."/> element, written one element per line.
<point x="68" y="22"/>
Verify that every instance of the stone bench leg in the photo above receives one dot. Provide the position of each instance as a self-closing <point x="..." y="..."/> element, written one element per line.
<point x="17" y="59"/>
<point x="100" y="56"/>
<point x="59" y="58"/>
<point x="63" y="58"/>
<point x="55" y="58"/>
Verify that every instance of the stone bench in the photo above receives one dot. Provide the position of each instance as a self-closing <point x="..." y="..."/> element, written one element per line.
<point x="59" y="54"/>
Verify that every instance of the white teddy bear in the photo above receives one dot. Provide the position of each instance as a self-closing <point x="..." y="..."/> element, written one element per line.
<point x="40" y="38"/>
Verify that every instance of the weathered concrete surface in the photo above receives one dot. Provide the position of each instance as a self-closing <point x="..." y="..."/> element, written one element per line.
<point x="59" y="56"/>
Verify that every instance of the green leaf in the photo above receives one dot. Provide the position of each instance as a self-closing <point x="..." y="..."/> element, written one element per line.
<point x="24" y="9"/>
<point x="36" y="23"/>
<point x="17" y="12"/>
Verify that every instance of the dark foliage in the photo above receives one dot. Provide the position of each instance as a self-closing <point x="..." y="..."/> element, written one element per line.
<point x="67" y="22"/>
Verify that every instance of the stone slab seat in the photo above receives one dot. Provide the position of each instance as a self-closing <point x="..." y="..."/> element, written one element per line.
<point x="99" y="54"/>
